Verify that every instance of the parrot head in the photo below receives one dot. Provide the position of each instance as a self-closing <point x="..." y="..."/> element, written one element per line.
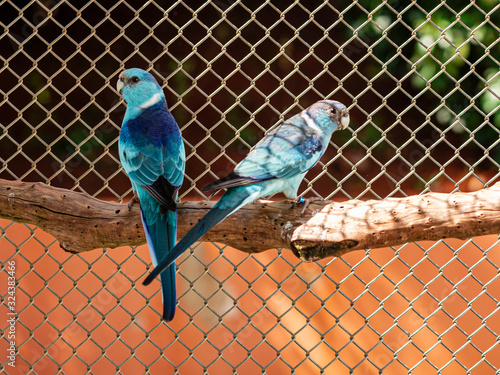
<point x="327" y="115"/>
<point x="139" y="88"/>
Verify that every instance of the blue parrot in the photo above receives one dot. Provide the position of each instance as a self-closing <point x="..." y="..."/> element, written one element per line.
<point x="278" y="163"/>
<point x="152" y="154"/>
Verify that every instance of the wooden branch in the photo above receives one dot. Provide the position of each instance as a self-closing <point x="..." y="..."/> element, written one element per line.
<point x="81" y="222"/>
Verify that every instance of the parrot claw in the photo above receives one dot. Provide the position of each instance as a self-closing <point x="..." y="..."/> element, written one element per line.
<point x="133" y="201"/>
<point x="306" y="202"/>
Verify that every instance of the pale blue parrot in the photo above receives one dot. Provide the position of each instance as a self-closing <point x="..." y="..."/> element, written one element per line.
<point x="278" y="163"/>
<point x="152" y="154"/>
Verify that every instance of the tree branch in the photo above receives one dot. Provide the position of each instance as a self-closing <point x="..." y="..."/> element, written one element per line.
<point x="81" y="222"/>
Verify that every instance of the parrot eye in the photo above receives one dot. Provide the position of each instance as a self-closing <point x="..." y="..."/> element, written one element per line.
<point x="332" y="110"/>
<point x="134" y="79"/>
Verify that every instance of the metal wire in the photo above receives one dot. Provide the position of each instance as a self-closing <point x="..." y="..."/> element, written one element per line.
<point x="422" y="81"/>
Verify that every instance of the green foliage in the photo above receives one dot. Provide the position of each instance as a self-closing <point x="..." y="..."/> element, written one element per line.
<point x="448" y="54"/>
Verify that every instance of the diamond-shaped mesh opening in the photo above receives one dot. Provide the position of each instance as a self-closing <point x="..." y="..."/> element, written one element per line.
<point x="422" y="82"/>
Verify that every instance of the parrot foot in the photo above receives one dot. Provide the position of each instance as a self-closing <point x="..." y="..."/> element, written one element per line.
<point x="306" y="202"/>
<point x="133" y="201"/>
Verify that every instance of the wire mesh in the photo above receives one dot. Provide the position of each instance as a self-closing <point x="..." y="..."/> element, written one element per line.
<point x="422" y="81"/>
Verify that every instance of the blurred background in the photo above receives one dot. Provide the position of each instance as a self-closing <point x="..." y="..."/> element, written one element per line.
<point x="422" y="82"/>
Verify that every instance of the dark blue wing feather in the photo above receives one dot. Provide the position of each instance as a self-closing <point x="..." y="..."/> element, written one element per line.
<point x="152" y="154"/>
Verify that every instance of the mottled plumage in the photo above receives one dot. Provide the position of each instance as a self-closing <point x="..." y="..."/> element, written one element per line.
<point x="152" y="154"/>
<point x="278" y="163"/>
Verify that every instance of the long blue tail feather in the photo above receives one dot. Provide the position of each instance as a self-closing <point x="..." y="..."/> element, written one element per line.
<point x="161" y="237"/>
<point x="231" y="201"/>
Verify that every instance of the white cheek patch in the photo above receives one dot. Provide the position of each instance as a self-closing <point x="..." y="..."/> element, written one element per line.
<point x="310" y="122"/>
<point x="153" y="100"/>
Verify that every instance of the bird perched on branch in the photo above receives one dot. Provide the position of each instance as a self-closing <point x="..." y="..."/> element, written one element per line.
<point x="278" y="163"/>
<point x="152" y="154"/>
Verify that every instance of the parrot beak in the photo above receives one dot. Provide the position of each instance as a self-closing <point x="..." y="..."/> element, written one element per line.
<point x="121" y="82"/>
<point x="344" y="120"/>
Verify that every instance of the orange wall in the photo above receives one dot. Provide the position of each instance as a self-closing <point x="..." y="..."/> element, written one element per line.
<point x="95" y="305"/>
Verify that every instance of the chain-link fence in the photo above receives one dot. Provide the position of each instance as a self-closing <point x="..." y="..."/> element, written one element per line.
<point x="421" y="79"/>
